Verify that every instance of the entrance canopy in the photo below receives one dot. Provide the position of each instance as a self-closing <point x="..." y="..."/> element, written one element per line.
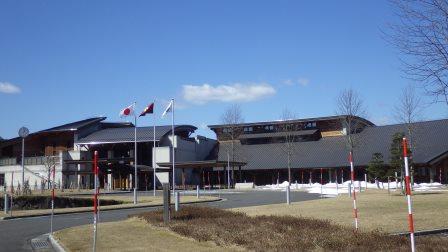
<point x="201" y="164"/>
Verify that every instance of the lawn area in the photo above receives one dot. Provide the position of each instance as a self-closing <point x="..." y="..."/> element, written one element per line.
<point x="377" y="210"/>
<point x="211" y="229"/>
<point x="129" y="235"/>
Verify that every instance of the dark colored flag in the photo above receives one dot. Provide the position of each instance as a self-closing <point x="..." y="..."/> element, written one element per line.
<point x="148" y="110"/>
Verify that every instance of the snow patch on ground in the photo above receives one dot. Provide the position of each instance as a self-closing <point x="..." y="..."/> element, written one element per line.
<point x="333" y="189"/>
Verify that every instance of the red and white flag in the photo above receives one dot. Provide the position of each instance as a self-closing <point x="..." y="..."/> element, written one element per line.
<point x="128" y="111"/>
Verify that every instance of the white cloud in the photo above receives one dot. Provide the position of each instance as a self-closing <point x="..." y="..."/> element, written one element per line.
<point x="288" y="82"/>
<point x="300" y="81"/>
<point x="303" y="82"/>
<point x="381" y="120"/>
<point x="8" y="88"/>
<point x="235" y="92"/>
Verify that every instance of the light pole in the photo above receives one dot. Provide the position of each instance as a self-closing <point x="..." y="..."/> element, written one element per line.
<point x="23" y="132"/>
<point x="228" y="170"/>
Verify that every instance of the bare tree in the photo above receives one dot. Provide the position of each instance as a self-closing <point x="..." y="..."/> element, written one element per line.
<point x="231" y="117"/>
<point x="351" y="108"/>
<point x="421" y="34"/>
<point x="49" y="163"/>
<point x="287" y="128"/>
<point x="408" y="111"/>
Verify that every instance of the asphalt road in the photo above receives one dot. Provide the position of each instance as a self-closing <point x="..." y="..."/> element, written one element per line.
<point x="16" y="234"/>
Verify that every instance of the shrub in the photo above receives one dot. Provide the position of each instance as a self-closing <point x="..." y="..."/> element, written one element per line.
<point x="280" y="233"/>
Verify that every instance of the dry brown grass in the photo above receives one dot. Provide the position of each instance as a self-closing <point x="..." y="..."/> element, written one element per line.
<point x="377" y="210"/>
<point x="281" y="233"/>
<point x="128" y="235"/>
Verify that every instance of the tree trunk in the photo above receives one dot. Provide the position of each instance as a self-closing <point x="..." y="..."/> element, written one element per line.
<point x="289" y="168"/>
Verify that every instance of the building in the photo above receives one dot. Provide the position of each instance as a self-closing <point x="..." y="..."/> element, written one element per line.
<point x="319" y="144"/>
<point x="70" y="147"/>
<point x="255" y="152"/>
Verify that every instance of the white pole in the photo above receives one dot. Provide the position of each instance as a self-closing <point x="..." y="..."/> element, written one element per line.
<point x="135" y="182"/>
<point x="408" y="194"/>
<point x="95" y="199"/>
<point x="154" y="150"/>
<point x="337" y="185"/>
<point x="23" y="161"/>
<point x="365" y="180"/>
<point x="52" y="200"/>
<point x="228" y="170"/>
<point x="172" y="143"/>
<point x="352" y="175"/>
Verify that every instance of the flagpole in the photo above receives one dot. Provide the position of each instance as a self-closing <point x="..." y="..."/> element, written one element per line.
<point x="135" y="156"/>
<point x="172" y="136"/>
<point x="154" y="149"/>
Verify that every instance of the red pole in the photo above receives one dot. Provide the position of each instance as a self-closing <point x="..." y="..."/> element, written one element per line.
<point x="408" y="193"/>
<point x="352" y="171"/>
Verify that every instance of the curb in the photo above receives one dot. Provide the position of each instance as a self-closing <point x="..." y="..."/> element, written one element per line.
<point x="89" y="210"/>
<point x="424" y="232"/>
<point x="55" y="244"/>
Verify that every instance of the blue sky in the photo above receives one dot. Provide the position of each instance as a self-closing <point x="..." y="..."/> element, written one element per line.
<point x="62" y="61"/>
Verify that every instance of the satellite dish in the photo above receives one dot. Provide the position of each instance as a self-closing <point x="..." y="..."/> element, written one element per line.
<point x="24" y="132"/>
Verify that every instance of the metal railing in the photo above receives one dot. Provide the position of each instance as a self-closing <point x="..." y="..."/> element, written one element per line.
<point x="8" y="161"/>
<point x="39" y="160"/>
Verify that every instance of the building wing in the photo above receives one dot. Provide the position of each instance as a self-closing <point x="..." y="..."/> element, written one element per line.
<point x="430" y="145"/>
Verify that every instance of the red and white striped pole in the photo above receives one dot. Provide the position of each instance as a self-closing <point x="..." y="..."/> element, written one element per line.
<point x="408" y="193"/>
<point x="52" y="200"/>
<point x="352" y="172"/>
<point x="95" y="198"/>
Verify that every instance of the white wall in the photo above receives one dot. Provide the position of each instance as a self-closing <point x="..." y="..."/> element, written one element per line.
<point x="33" y="173"/>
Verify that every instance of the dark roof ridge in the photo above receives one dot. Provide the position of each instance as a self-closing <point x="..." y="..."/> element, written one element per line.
<point x="323" y="118"/>
<point x="403" y="124"/>
<point x="83" y="123"/>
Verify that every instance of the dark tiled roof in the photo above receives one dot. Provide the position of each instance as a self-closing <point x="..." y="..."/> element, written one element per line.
<point x="326" y="118"/>
<point x="65" y="127"/>
<point x="126" y="134"/>
<point x="431" y="141"/>
<point x="75" y="125"/>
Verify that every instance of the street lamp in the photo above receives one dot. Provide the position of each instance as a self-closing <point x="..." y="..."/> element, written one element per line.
<point x="23" y="132"/>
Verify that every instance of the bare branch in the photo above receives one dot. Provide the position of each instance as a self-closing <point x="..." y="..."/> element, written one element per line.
<point x="351" y="108"/>
<point x="421" y="35"/>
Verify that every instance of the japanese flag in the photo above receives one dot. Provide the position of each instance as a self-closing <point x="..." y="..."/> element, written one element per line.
<point x="128" y="111"/>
